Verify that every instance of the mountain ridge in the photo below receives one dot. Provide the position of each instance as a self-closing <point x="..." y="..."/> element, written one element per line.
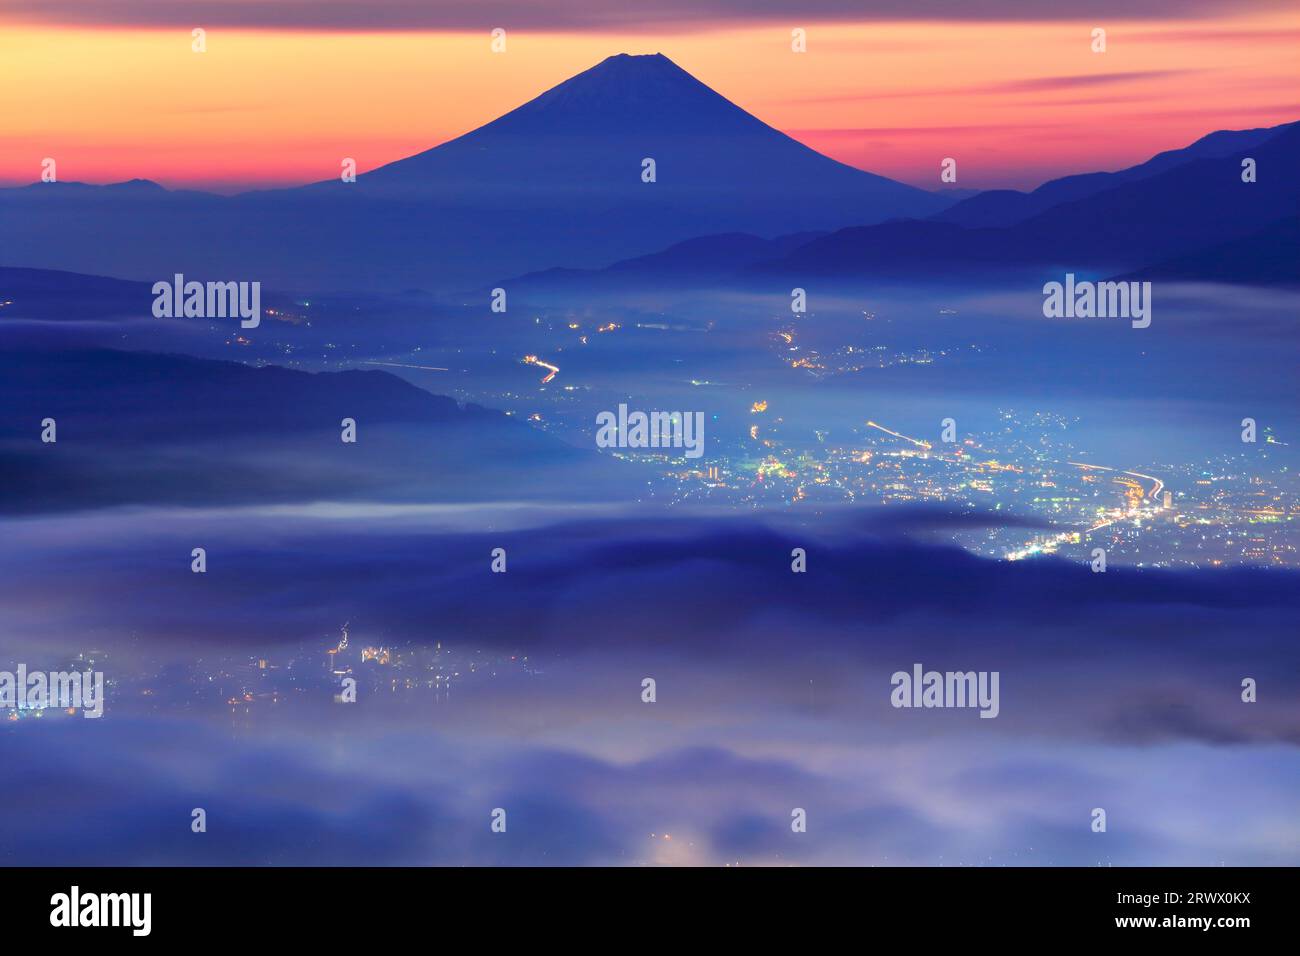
<point x="558" y="179"/>
<point x="1179" y="206"/>
<point x="1005" y="207"/>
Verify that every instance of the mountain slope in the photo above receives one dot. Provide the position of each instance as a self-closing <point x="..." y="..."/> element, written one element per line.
<point x="703" y="260"/>
<point x="1180" y="206"/>
<point x="1005" y="207"/>
<point x="586" y="139"/>
<point x="147" y="428"/>
<point x="53" y="294"/>
<point x="1188" y="207"/>
<point x="1265" y="258"/>
<point x="558" y="180"/>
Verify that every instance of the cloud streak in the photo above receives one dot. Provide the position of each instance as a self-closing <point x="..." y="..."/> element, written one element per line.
<point x="577" y="15"/>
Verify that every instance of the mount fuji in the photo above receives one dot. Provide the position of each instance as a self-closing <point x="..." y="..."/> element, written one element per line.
<point x="587" y="138"/>
<point x="557" y="180"/>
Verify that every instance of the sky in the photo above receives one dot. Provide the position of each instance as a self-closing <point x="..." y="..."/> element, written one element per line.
<point x="112" y="89"/>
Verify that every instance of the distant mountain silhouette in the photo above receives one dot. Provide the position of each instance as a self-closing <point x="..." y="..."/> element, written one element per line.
<point x="138" y="428"/>
<point x="704" y="260"/>
<point x="54" y="294"/>
<point x="73" y="186"/>
<point x="1178" y="209"/>
<point x="1270" y="257"/>
<point x="558" y="180"/>
<point x="104" y="394"/>
<point x="1189" y="206"/>
<point x="1005" y="207"/>
<point x="584" y="141"/>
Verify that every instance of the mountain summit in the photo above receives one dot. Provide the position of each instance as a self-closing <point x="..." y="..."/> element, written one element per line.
<point x="562" y="179"/>
<point x="715" y="164"/>
<point x="631" y="93"/>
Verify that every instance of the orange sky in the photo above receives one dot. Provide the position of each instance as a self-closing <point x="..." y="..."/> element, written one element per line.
<point x="1013" y="103"/>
